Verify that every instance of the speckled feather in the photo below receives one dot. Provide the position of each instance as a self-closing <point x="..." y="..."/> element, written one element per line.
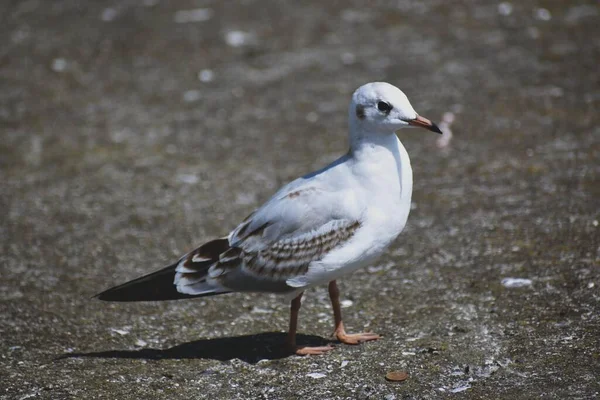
<point x="276" y="261"/>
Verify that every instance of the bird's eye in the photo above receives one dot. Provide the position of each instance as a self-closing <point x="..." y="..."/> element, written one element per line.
<point x="384" y="107"/>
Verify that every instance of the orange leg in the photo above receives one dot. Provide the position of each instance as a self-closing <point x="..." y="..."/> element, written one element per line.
<point x="291" y="339"/>
<point x="340" y="331"/>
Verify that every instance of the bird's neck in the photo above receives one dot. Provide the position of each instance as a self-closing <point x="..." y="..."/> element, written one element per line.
<point x="384" y="166"/>
<point x="382" y="158"/>
<point x="364" y="146"/>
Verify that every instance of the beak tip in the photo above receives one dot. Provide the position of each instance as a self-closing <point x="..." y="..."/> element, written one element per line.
<point x="435" y="128"/>
<point x="425" y="123"/>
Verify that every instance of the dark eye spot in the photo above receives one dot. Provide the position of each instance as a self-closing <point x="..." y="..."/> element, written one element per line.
<point x="384" y="107"/>
<point x="360" y="111"/>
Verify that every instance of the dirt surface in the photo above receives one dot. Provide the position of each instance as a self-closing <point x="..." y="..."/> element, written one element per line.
<point x="132" y="131"/>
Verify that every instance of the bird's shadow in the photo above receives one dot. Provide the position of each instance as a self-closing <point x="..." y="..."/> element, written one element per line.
<point x="248" y="348"/>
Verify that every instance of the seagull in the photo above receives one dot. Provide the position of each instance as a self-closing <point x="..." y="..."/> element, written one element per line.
<point x="315" y="229"/>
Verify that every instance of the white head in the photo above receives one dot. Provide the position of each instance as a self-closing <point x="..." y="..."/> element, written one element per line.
<point x="379" y="107"/>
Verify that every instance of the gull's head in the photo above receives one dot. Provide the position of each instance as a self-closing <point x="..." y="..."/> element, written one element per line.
<point x="383" y="108"/>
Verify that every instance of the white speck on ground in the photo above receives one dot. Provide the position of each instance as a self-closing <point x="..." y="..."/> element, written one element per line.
<point x="108" y="14"/>
<point x="206" y="75"/>
<point x="59" y="65"/>
<point x="258" y="310"/>
<point x="516" y="282"/>
<point x="543" y="14"/>
<point x="191" y="95"/>
<point x="237" y="38"/>
<point x="190" y="179"/>
<point x="463" y="386"/>
<point x="346" y="303"/>
<point x="348" y="58"/>
<point x="197" y="15"/>
<point x="312" y="117"/>
<point x="505" y="9"/>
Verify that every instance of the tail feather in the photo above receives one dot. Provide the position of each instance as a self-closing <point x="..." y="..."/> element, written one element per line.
<point x="162" y="285"/>
<point x="152" y="287"/>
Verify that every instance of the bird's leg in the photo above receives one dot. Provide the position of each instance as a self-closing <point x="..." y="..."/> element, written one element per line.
<point x="291" y="339"/>
<point x="340" y="331"/>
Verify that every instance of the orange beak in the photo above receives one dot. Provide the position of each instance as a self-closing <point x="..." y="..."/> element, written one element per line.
<point x="425" y="123"/>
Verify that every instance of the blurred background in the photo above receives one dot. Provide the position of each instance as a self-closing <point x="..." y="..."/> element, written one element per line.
<point x="132" y="131"/>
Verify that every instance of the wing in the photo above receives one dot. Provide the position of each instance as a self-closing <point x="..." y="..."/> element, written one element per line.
<point x="301" y="224"/>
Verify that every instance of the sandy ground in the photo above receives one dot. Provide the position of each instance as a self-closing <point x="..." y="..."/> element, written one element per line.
<point x="132" y="131"/>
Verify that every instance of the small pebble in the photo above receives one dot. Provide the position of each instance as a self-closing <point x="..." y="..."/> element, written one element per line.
<point x="346" y="303"/>
<point x="516" y="282"/>
<point x="237" y="38"/>
<point x="206" y="75"/>
<point x="348" y="58"/>
<point x="190" y="179"/>
<point x="505" y="9"/>
<point x="396" y="376"/>
<point x="259" y="310"/>
<point x="461" y="388"/>
<point x="543" y="14"/>
<point x="59" y="65"/>
<point x="108" y="14"/>
<point x="191" y="95"/>
<point x="312" y="117"/>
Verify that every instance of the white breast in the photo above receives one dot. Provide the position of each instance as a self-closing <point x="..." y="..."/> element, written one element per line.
<point x="385" y="175"/>
<point x="383" y="186"/>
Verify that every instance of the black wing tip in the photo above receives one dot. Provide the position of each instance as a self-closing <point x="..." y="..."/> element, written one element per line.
<point x="122" y="296"/>
<point x="135" y="291"/>
<point x="159" y="285"/>
<point x="106" y="297"/>
<point x="109" y="295"/>
<point x="152" y="287"/>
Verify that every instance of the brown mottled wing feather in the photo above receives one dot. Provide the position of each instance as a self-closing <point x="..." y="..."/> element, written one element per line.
<point x="280" y="260"/>
<point x="200" y="259"/>
<point x="290" y="257"/>
<point x="193" y="269"/>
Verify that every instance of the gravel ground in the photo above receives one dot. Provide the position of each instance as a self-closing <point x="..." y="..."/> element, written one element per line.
<point x="132" y="131"/>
